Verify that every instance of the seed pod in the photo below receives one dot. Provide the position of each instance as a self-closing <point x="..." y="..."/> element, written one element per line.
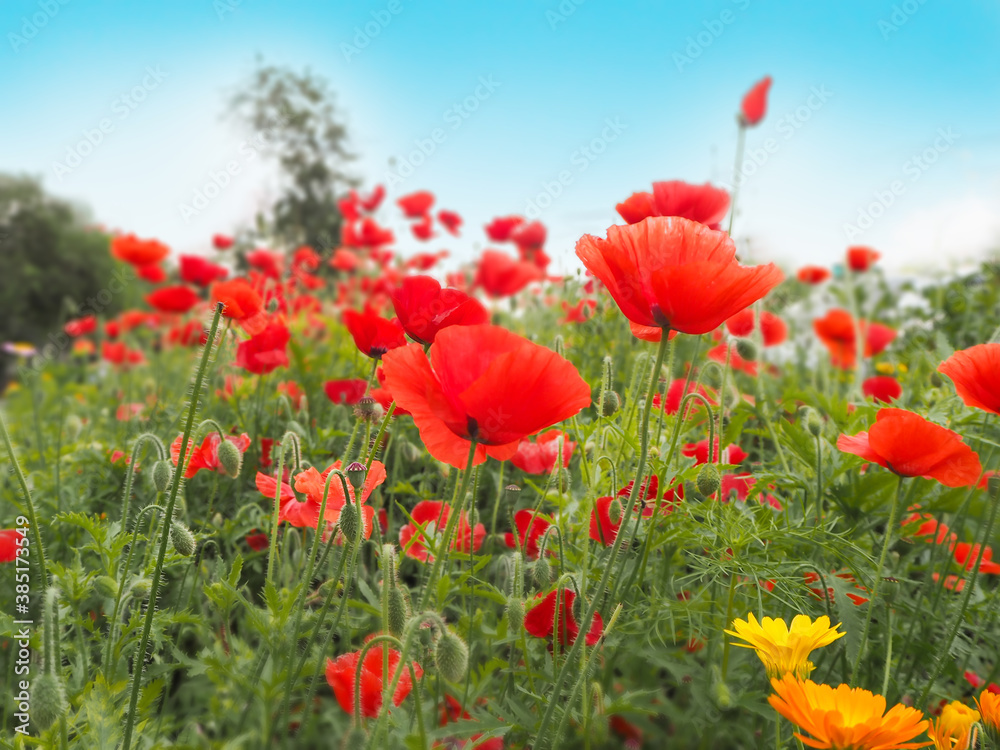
<point x="708" y="480"/>
<point x="356" y="473"/>
<point x="368" y="410"/>
<point x="511" y="493"/>
<point x="746" y="349"/>
<point x="230" y="458"/>
<point x="48" y="701"/>
<point x="451" y="656"/>
<point x="182" y="539"/>
<point x="162" y="474"/>
<point x="399" y="611"/>
<point x="515" y="615"/>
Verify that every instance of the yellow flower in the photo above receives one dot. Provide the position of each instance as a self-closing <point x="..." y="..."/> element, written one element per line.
<point x="951" y="730"/>
<point x="784" y="649"/>
<point x="884" y="368"/>
<point x="845" y="718"/>
<point x="989" y="708"/>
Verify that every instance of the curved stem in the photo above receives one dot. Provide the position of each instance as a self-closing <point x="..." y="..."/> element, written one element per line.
<point x="36" y="536"/>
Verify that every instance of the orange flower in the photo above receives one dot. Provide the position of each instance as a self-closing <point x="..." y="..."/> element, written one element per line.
<point x="673" y="274"/>
<point x="845" y="718"/>
<point x="951" y="730"/>
<point x="910" y="446"/>
<point x="988" y="704"/>
<point x="976" y="375"/>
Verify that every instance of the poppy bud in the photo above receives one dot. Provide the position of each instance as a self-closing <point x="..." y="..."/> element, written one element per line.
<point x="615" y="511"/>
<point x="515" y="615"/>
<point x="298" y="429"/>
<point x="720" y="691"/>
<point x="612" y="403"/>
<point x="272" y="305"/>
<point x="559" y="346"/>
<point x="512" y="492"/>
<point x="399" y="611"/>
<point x="106" y="586"/>
<point x="708" y="480"/>
<point x="451" y="656"/>
<point x="230" y="458"/>
<point x="349" y="521"/>
<point x="48" y="701"/>
<point x="356" y="473"/>
<point x="141" y="588"/>
<point x="936" y="380"/>
<point x="811" y="421"/>
<point x="746" y="349"/>
<point x="182" y="539"/>
<point x="162" y="473"/>
<point x="410" y="452"/>
<point x="74" y="426"/>
<point x="217" y="520"/>
<point x="541" y="573"/>
<point x="368" y="410"/>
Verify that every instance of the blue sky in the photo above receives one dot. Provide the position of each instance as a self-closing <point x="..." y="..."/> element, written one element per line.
<point x="884" y="116"/>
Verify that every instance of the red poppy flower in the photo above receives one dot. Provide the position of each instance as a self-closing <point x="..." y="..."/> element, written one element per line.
<point x="425" y="261"/>
<point x="813" y="274"/>
<point x="10" y="540"/>
<point x="125" y="412"/>
<point x="205" y="456"/>
<point x="754" y="104"/>
<point x="424" y="308"/>
<point x="604" y="530"/>
<point x="265" y="351"/>
<point x="451" y="710"/>
<point x="450" y="221"/>
<point x="367" y="234"/>
<point x="929" y="527"/>
<point x="836" y="331"/>
<point x="131" y="249"/>
<point x="674" y="274"/>
<point x="966" y="554"/>
<point x="773" y="329"/>
<point x="81" y="326"/>
<point x="373" y="201"/>
<point x="882" y="388"/>
<point x="344" y="260"/>
<point x="423" y="229"/>
<point x="531" y="527"/>
<point x="724" y="352"/>
<point x="340" y="675"/>
<point x="416" y="205"/>
<point x="502" y="276"/>
<point x="702" y="203"/>
<point x="242" y="303"/>
<point x="191" y="333"/>
<point x="676" y="391"/>
<point x="429" y="519"/>
<point x="257" y="540"/>
<point x="528" y="237"/>
<point x="200" y="271"/>
<point x="732" y="454"/>
<point x="268" y="263"/>
<point x="373" y="334"/>
<point x="910" y="446"/>
<point x="311" y="483"/>
<point x="151" y="272"/>
<point x="540" y="457"/>
<point x="631" y="734"/>
<point x="119" y="354"/>
<point x="347" y="391"/>
<point x="173" y="299"/>
<point x="540" y="620"/>
<point x="976" y="375"/>
<point x="501" y="228"/>
<point x="222" y="242"/>
<point x="861" y="258"/>
<point x="486" y="384"/>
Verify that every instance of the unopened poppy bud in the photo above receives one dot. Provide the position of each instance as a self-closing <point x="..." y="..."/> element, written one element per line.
<point x="106" y="586"/>
<point x="399" y="611"/>
<point x="368" y="410"/>
<point x="182" y="539"/>
<point x="356" y="473"/>
<point x="721" y="693"/>
<point x="272" y="305"/>
<point x="74" y="426"/>
<point x="936" y="380"/>
<point x="217" y="520"/>
<point x="298" y="429"/>
<point x="355" y="739"/>
<point x="349" y="521"/>
<point x="141" y="588"/>
<point x="515" y="615"/>
<point x="541" y="573"/>
<point x="511" y="493"/>
<point x="612" y="403"/>
<point x="559" y="346"/>
<point x="811" y="421"/>
<point x="451" y="656"/>
<point x="162" y="473"/>
<point x="230" y="458"/>
<point x="410" y="452"/>
<point x="708" y="480"/>
<point x="746" y="349"/>
<point x="615" y="511"/>
<point x="48" y="701"/>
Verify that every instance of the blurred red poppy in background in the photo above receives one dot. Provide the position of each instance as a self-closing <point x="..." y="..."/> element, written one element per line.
<point x="837" y="332"/>
<point x="243" y="304"/>
<point x="705" y="204"/>
<point x="81" y="326"/>
<point x="348" y="391"/>
<point x="432" y="516"/>
<point x="861" y="258"/>
<point x="197" y="270"/>
<point x="131" y="249"/>
<point x="813" y="274"/>
<point x="10" y="540"/>
<point x="373" y="334"/>
<point x="882" y="389"/>
<point x="501" y="276"/>
<point x="501" y="228"/>
<point x="266" y="351"/>
<point x="773" y="329"/>
<point x="206" y="455"/>
<point x="416" y="204"/>
<point x="173" y="299"/>
<point x="754" y="104"/>
<point x="540" y="456"/>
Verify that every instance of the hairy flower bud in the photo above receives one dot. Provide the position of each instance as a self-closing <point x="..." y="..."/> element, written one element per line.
<point x="141" y="588"/>
<point x="615" y="511"/>
<point x="162" y="474"/>
<point x="515" y="615"/>
<point x="48" y="701"/>
<point x="106" y="586"/>
<point x="399" y="611"/>
<point x="612" y="403"/>
<point x="708" y="480"/>
<point x="230" y="458"/>
<point x="451" y="656"/>
<point x="811" y="421"/>
<point x="182" y="539"/>
<point x="349" y="521"/>
<point x="746" y="349"/>
<point x="541" y="573"/>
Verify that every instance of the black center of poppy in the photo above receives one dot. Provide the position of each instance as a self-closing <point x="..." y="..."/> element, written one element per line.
<point x="471" y="427"/>
<point x="376" y="352"/>
<point x="659" y="317"/>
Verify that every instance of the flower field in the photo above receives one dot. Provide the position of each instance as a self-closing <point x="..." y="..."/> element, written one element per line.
<point x="333" y="497"/>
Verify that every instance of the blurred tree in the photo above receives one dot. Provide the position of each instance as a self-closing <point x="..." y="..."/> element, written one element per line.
<point x="54" y="267"/>
<point x="293" y="120"/>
